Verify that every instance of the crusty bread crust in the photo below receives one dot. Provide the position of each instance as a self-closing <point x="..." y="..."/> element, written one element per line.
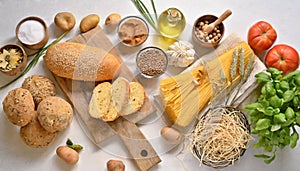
<point x="55" y="114"/>
<point x="40" y="87"/>
<point x="80" y="62"/>
<point x="34" y="135"/>
<point x="19" y="106"/>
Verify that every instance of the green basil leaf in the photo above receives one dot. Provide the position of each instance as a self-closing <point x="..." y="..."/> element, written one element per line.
<point x="297" y="119"/>
<point x="289" y="113"/>
<point x="263" y="156"/>
<point x="288" y="96"/>
<point x="297" y="80"/>
<point x="288" y="122"/>
<point x="296" y="101"/>
<point x="279" y="118"/>
<point x="275" y="127"/>
<point x="269" y="112"/>
<point x="290" y="75"/>
<point x="293" y="140"/>
<point x="297" y="113"/>
<point x="270" y="88"/>
<point x="284" y="85"/>
<point x="263" y="124"/>
<point x="261" y="143"/>
<point x="262" y="77"/>
<point x="268" y="161"/>
<point x="276" y="102"/>
<point x="274" y="71"/>
<point x="253" y="106"/>
<point x="276" y="110"/>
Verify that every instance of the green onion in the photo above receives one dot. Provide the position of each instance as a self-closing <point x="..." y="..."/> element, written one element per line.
<point x="35" y="60"/>
<point x="145" y="12"/>
<point x="154" y="10"/>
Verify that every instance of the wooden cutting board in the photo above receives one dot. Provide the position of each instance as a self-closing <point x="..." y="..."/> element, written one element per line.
<point x="79" y="93"/>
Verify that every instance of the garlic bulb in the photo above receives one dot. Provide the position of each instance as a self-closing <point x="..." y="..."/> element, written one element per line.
<point x="181" y="54"/>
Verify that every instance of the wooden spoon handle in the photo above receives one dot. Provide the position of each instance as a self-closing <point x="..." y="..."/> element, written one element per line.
<point x="226" y="14"/>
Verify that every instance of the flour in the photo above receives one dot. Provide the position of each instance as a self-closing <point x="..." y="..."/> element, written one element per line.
<point x="31" y="32"/>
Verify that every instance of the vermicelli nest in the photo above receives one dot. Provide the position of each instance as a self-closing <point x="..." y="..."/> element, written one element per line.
<point x="221" y="137"/>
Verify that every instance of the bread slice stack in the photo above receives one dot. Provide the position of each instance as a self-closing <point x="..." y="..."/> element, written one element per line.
<point x="110" y="101"/>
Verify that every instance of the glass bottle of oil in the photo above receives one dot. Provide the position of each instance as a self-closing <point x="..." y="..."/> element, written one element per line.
<point x="171" y="23"/>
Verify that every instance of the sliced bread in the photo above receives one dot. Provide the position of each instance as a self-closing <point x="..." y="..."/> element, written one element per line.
<point x="136" y="99"/>
<point x="120" y="93"/>
<point x="101" y="105"/>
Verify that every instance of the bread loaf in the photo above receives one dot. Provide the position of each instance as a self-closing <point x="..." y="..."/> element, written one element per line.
<point x="136" y="99"/>
<point x="40" y="87"/>
<point x="120" y="93"/>
<point x="81" y="62"/>
<point x="54" y="114"/>
<point x="101" y="104"/>
<point x="19" y="106"/>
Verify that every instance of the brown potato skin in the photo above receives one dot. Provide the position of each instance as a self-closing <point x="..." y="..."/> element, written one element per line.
<point x="115" y="165"/>
<point x="69" y="155"/>
<point x="65" y="20"/>
<point x="89" y="22"/>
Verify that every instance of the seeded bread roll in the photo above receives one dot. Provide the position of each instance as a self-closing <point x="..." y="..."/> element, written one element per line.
<point x="54" y="114"/>
<point x="136" y="99"/>
<point x="18" y="106"/>
<point x="80" y="62"/>
<point x="101" y="104"/>
<point x="40" y="87"/>
<point x="34" y="135"/>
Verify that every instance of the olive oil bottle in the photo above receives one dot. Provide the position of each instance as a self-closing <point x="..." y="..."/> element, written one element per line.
<point x="171" y="23"/>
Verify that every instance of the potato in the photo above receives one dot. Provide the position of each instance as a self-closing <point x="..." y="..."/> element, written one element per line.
<point x="89" y="22"/>
<point x="115" y="165"/>
<point x="113" y="19"/>
<point x="65" y="20"/>
<point x="171" y="135"/>
<point x="69" y="155"/>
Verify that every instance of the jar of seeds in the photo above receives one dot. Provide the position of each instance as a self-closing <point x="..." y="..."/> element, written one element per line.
<point x="151" y="62"/>
<point x="207" y="39"/>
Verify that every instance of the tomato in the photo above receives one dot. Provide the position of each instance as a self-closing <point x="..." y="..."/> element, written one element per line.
<point x="261" y="36"/>
<point x="282" y="57"/>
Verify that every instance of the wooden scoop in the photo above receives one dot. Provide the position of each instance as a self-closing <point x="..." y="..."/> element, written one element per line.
<point x="209" y="28"/>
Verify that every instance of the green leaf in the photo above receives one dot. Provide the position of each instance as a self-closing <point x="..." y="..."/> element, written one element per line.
<point x="289" y="113"/>
<point x="253" y="106"/>
<point x="288" y="96"/>
<point x="290" y="75"/>
<point x="270" y="88"/>
<point x="276" y="102"/>
<point x="284" y="85"/>
<point x="263" y="156"/>
<point x="296" y="101"/>
<point x="76" y="147"/>
<point x="275" y="127"/>
<point x="279" y="118"/>
<point x="274" y="71"/>
<point x="288" y="122"/>
<point x="69" y="142"/>
<point x="297" y="80"/>
<point x="262" y="77"/>
<point x="293" y="140"/>
<point x="263" y="124"/>
<point x="261" y="143"/>
<point x="268" y="161"/>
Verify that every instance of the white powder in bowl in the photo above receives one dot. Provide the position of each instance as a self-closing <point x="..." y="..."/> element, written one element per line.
<point x="31" y="32"/>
